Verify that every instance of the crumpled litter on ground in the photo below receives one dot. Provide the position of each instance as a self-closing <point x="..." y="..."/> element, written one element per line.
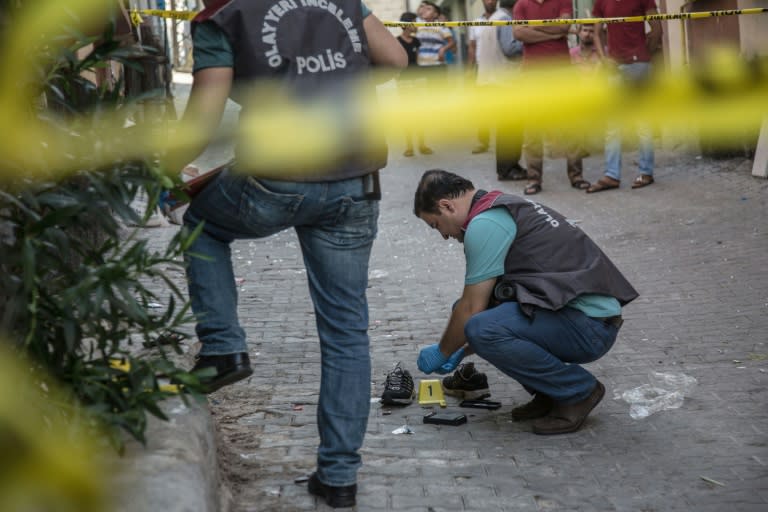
<point x="664" y="391"/>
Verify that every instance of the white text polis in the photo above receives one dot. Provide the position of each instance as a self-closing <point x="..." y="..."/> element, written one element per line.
<point x="326" y="61"/>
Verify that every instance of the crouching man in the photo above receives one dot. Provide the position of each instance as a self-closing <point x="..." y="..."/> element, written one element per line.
<point x="540" y="298"/>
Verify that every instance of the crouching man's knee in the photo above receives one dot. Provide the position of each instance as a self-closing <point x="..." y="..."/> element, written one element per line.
<point x="474" y="332"/>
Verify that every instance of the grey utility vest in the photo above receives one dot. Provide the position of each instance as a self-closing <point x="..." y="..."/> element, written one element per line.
<point x="551" y="261"/>
<point x="313" y="48"/>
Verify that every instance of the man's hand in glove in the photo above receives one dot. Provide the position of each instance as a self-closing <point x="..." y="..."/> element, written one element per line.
<point x="431" y="358"/>
<point x="452" y="362"/>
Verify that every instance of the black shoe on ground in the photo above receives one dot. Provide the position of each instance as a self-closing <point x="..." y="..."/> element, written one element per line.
<point x="511" y="173"/>
<point x="336" y="497"/>
<point x="230" y="368"/>
<point x="467" y="383"/>
<point x="398" y="389"/>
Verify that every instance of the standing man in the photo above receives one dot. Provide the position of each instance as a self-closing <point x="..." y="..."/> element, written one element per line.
<point x="540" y="298"/>
<point x="509" y="137"/>
<point x="585" y="54"/>
<point x="334" y="210"/>
<point x="545" y="44"/>
<point x="489" y="7"/>
<point x="435" y="41"/>
<point x="498" y="54"/>
<point x="630" y="48"/>
<point x="409" y="81"/>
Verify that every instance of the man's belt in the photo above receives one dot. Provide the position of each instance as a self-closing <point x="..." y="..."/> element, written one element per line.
<point x="372" y="186"/>
<point x="615" y="321"/>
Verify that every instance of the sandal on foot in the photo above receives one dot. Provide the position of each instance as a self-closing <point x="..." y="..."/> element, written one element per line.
<point x="642" y="180"/>
<point x="580" y="184"/>
<point x="603" y="184"/>
<point x="532" y="188"/>
<point x="408" y="152"/>
<point x="425" y="150"/>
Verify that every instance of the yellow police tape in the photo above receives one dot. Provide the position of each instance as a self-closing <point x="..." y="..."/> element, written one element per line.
<point x="722" y="98"/>
<point x="722" y="101"/>
<point x="190" y="15"/>
<point x="581" y="21"/>
<point x="46" y="464"/>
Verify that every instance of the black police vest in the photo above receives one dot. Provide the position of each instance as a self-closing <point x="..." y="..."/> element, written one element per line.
<point x="310" y="47"/>
<point x="551" y="261"/>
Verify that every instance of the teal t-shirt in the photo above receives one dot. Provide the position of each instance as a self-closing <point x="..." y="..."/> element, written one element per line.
<point x="211" y="48"/>
<point x="486" y="244"/>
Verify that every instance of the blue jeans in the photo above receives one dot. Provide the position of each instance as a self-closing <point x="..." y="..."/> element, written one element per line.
<point x="336" y="225"/>
<point x="543" y="354"/>
<point x="635" y="72"/>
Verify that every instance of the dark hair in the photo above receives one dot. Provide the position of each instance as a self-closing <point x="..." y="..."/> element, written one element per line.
<point x="432" y="4"/>
<point x="437" y="184"/>
<point x="507" y="4"/>
<point x="408" y="17"/>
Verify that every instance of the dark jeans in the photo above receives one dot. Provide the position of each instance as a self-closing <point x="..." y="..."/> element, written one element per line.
<point x="544" y="353"/>
<point x="336" y="225"/>
<point x="509" y="149"/>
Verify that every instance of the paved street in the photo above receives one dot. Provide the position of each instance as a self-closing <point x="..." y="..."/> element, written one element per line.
<point x="695" y="245"/>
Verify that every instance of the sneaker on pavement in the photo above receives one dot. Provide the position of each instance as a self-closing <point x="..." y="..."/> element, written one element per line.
<point x="398" y="389"/>
<point x="467" y="383"/>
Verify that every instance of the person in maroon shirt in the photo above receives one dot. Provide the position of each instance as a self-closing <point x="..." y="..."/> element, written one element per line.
<point x="544" y="44"/>
<point x="630" y="48"/>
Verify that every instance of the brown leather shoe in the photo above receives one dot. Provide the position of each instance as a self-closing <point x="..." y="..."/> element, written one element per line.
<point x="539" y="407"/>
<point x="569" y="418"/>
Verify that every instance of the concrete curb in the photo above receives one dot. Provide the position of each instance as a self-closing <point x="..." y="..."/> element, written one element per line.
<point x="177" y="471"/>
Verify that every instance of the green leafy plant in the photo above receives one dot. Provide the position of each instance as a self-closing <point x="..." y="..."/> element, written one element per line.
<point x="76" y="293"/>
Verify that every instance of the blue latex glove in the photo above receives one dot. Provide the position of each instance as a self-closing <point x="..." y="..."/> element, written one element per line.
<point x="453" y="362"/>
<point x="431" y="358"/>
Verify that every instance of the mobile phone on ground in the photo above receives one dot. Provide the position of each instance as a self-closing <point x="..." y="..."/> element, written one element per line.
<point x="445" y="418"/>
<point x="480" y="404"/>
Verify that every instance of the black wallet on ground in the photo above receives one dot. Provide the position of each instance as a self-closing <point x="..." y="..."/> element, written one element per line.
<point x="445" y="418"/>
<point x="480" y="404"/>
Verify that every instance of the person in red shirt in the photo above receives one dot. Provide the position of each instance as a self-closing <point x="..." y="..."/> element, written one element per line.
<point x="545" y="44"/>
<point x="542" y="42"/>
<point x="630" y="48"/>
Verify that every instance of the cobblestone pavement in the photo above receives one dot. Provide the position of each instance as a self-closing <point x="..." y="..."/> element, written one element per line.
<point x="695" y="245"/>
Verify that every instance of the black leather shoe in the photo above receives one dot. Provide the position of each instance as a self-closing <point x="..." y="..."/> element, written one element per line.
<point x="230" y="368"/>
<point x="336" y="497"/>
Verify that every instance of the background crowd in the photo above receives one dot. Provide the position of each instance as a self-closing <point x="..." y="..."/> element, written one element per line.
<point x="496" y="53"/>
